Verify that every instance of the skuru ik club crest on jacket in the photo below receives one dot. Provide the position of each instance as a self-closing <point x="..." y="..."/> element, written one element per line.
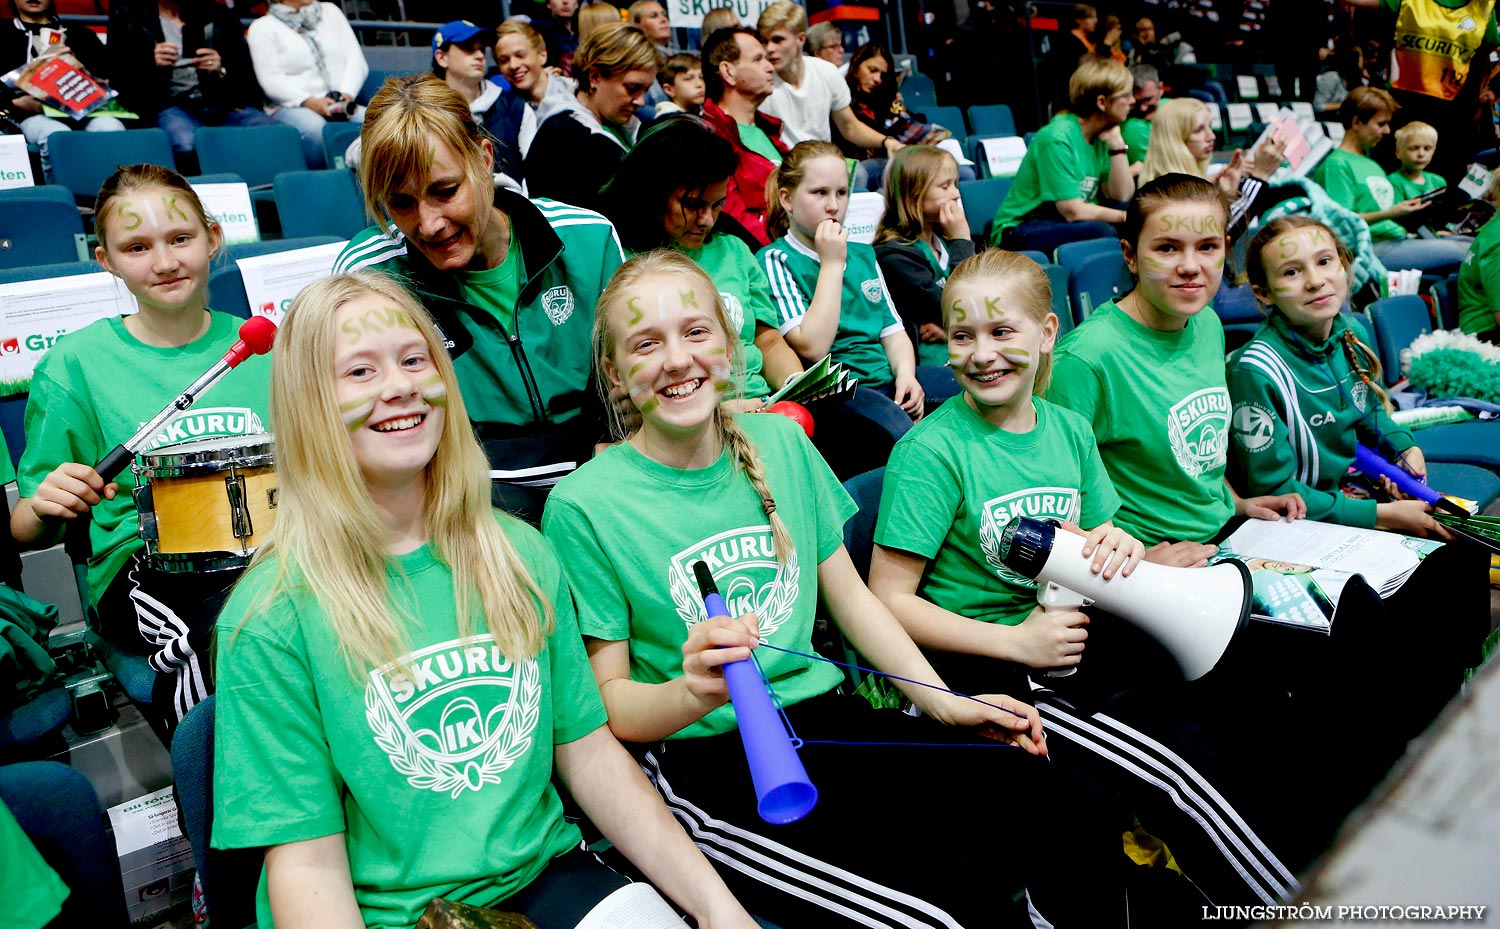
<point x="558" y="303"/>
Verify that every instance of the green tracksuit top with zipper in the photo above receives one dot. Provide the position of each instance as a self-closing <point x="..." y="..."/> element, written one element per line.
<point x="1299" y="409"/>
<point x="523" y="368"/>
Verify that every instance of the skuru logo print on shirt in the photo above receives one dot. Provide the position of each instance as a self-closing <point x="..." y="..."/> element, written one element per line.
<point x="1033" y="503"/>
<point x="743" y="562"/>
<point x="208" y="423"/>
<point x="558" y="302"/>
<point x="454" y="716"/>
<point x="872" y="290"/>
<point x="1198" y="428"/>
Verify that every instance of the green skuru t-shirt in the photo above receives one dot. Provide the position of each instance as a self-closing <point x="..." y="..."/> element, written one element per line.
<point x="99" y="384"/>
<point x="1159" y="406"/>
<point x="629" y="529"/>
<point x="34" y="894"/>
<point x="436" y="768"/>
<point x="1060" y="165"/>
<point x="1479" y="281"/>
<point x="866" y="313"/>
<point x="754" y="138"/>
<point x="1406" y="188"/>
<point x="1137" y="135"/>
<point x="1358" y="184"/>
<point x="747" y="297"/>
<point x="955" y="481"/>
<point x="496" y="289"/>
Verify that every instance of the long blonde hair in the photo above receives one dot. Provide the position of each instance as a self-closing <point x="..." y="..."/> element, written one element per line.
<point x="408" y="116"/>
<point x="329" y="538"/>
<point x="668" y="262"/>
<point x="1168" y="152"/>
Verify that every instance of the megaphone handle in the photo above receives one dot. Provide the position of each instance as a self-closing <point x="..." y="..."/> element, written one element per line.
<point x="1054" y="598"/>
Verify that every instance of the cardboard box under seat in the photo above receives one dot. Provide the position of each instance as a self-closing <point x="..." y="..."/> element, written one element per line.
<point x="156" y="861"/>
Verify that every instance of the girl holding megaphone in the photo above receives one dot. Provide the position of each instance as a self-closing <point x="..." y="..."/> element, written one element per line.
<point x="994" y="454"/>
<point x="918" y="824"/>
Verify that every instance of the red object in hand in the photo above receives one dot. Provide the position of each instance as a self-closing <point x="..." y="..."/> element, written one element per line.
<point x="256" y="336"/>
<point x="796" y="412"/>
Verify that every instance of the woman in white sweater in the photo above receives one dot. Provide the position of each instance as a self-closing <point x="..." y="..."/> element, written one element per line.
<point x="310" y="66"/>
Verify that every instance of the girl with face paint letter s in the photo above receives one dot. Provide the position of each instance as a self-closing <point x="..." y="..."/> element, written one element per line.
<point x="96" y="387"/>
<point x="389" y="573"/>
<point x="749" y="496"/>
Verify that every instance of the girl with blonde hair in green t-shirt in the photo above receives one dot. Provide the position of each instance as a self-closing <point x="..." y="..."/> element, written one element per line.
<point x="400" y="667"/>
<point x="996" y="453"/>
<point x="748" y="496"/>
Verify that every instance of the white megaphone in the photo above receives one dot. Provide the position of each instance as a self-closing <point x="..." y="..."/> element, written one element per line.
<point x="1193" y="612"/>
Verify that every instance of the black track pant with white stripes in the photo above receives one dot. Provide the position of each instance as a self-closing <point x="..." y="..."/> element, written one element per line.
<point x="169" y="618"/>
<point x="901" y="837"/>
<point x="1155" y="761"/>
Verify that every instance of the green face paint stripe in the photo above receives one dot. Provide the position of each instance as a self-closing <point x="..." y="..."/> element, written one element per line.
<point x="173" y="211"/>
<point x="992" y="307"/>
<point x="715" y="351"/>
<point x="127" y="209"/>
<point x="650" y="405"/>
<point x="688" y="298"/>
<point x="1019" y="357"/>
<point x="636" y="368"/>
<point x="635" y="310"/>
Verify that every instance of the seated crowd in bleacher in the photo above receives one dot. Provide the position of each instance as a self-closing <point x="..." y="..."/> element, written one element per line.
<point x="539" y="384"/>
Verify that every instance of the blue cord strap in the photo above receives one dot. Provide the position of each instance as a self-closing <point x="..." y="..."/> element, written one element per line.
<point x="798" y="741"/>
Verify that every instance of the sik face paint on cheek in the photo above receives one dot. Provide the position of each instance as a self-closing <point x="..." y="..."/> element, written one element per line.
<point x="433" y="390"/>
<point x="1019" y="357"/>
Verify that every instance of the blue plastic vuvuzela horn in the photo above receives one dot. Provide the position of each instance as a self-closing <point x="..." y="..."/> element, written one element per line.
<point x="1372" y="464"/>
<point x="783" y="792"/>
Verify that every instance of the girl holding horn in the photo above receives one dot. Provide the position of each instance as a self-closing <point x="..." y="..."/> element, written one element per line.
<point x="749" y="496"/>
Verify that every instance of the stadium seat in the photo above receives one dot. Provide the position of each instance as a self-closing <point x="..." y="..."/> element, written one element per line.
<point x="981" y="200"/>
<point x="991" y="119"/>
<point x="1038" y="257"/>
<point x="229" y="877"/>
<point x="336" y="140"/>
<point x="373" y="82"/>
<point x="82" y="161"/>
<point x="1057" y="276"/>
<point x="39" y="225"/>
<point x="1397" y="321"/>
<point x="918" y="92"/>
<point x="223" y="177"/>
<point x="1095" y="280"/>
<point x="1468" y="481"/>
<point x="1072" y="253"/>
<point x="319" y="203"/>
<point x="42" y="272"/>
<point x="255" y="153"/>
<point x="226" y="286"/>
<point x="950" y="118"/>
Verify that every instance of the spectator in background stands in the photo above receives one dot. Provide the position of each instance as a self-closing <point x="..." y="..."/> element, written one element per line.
<point x="651" y="16"/>
<point x="720" y="17"/>
<point x="1067" y="49"/>
<point x="521" y="59"/>
<point x="311" y="67"/>
<point x="593" y="15"/>
<point x="1144" y="49"/>
<point x="738" y="77"/>
<point x="681" y="80"/>
<point x="827" y="42"/>
<point x="1345" y="72"/>
<point x="181" y="65"/>
<point x="1358" y="183"/>
<point x="581" y="140"/>
<point x="1073" y="157"/>
<point x="809" y="93"/>
<point x="458" y="58"/>
<point x="1136" y="131"/>
<point x="37" y="29"/>
<point x="1479" y="283"/>
<point x="558" y="26"/>
<point x="876" y="101"/>
<point x="1107" y="39"/>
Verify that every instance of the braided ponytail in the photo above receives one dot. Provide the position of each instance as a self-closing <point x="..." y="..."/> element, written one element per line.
<point x="1366" y="365"/>
<point x="747" y="458"/>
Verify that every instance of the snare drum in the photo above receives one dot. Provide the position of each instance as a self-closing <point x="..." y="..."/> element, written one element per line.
<point x="205" y="505"/>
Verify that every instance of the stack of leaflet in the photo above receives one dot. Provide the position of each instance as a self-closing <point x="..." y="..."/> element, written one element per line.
<point x="826" y="380"/>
